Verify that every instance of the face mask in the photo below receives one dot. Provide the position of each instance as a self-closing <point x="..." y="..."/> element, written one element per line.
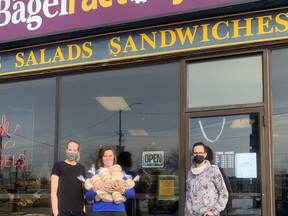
<point x="71" y="156"/>
<point x="198" y="159"/>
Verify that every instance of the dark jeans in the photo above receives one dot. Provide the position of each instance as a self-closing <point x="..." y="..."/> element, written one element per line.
<point x="81" y="213"/>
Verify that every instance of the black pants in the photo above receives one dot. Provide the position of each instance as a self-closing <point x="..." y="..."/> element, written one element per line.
<point x="80" y="213"/>
<point x="109" y="214"/>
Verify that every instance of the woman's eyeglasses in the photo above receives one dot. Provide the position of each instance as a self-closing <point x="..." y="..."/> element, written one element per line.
<point x="198" y="153"/>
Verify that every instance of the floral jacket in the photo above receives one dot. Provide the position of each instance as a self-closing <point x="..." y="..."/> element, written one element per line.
<point x="206" y="191"/>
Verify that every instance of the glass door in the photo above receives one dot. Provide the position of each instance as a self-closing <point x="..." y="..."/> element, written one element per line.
<point x="234" y="143"/>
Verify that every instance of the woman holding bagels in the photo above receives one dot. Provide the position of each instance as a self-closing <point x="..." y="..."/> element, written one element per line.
<point x="103" y="205"/>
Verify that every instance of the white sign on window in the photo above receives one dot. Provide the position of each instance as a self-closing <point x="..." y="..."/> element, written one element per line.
<point x="246" y="166"/>
<point x="152" y="159"/>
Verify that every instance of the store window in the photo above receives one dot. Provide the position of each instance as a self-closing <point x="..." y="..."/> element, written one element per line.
<point x="228" y="81"/>
<point x="280" y="128"/>
<point x="134" y="110"/>
<point x="27" y="145"/>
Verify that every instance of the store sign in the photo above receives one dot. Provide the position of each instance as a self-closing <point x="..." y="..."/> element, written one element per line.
<point x="267" y="25"/>
<point x="22" y="19"/>
<point x="152" y="159"/>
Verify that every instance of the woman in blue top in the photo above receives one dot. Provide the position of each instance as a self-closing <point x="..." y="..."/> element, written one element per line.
<point x="107" y="158"/>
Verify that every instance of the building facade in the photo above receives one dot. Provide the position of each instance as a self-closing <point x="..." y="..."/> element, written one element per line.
<point x="152" y="81"/>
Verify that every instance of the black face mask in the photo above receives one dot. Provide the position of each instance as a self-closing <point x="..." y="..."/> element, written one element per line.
<point x="198" y="159"/>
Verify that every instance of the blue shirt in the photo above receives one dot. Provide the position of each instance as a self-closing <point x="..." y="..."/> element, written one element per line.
<point x="100" y="206"/>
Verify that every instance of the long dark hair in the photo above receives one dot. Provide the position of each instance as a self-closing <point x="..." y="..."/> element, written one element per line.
<point x="199" y="144"/>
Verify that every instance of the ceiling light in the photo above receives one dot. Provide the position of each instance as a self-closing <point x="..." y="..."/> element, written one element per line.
<point x="137" y="132"/>
<point x="113" y="103"/>
<point x="242" y="123"/>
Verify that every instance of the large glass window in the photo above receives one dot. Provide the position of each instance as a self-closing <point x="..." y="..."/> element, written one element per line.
<point x="27" y="113"/>
<point x="225" y="82"/>
<point x="146" y="124"/>
<point x="280" y="128"/>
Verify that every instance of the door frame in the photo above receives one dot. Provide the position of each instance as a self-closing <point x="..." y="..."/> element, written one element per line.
<point x="264" y="109"/>
<point x="265" y="150"/>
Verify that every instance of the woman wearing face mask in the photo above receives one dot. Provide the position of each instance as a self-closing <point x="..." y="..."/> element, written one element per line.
<point x="206" y="193"/>
<point x="106" y="159"/>
<point x="67" y="194"/>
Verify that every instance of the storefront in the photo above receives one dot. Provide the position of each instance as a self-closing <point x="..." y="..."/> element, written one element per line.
<point x="153" y="87"/>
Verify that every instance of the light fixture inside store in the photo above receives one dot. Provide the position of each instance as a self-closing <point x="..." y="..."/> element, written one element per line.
<point x="113" y="103"/>
<point x="116" y="104"/>
<point x="242" y="123"/>
<point x="138" y="132"/>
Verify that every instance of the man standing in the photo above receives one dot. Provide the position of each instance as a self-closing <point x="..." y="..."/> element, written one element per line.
<point x="206" y="193"/>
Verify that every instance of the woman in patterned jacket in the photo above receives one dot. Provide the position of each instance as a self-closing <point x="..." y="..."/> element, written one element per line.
<point x="206" y="193"/>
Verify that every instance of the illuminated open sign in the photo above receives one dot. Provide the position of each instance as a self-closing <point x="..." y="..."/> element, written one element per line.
<point x="152" y="159"/>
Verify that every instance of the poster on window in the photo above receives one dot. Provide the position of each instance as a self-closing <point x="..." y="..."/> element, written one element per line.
<point x="246" y="166"/>
<point x="166" y="187"/>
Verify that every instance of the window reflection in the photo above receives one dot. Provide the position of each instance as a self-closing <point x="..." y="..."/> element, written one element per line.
<point x="280" y="127"/>
<point x="215" y="83"/>
<point x="27" y="142"/>
<point x="149" y="121"/>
